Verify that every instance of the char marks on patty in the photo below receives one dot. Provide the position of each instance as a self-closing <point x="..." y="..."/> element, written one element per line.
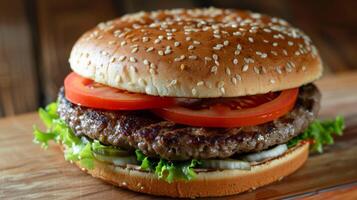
<point x="160" y="138"/>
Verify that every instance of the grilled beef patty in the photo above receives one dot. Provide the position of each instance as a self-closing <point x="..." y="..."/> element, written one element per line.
<point x="160" y="138"/>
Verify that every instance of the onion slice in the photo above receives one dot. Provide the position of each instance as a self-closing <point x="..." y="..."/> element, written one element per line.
<point x="270" y="153"/>
<point x="116" y="160"/>
<point x="226" y="164"/>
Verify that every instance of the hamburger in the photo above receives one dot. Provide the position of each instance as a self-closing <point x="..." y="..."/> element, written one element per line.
<point x="190" y="102"/>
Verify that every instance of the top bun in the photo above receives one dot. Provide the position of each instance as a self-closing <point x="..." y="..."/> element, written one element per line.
<point x="197" y="53"/>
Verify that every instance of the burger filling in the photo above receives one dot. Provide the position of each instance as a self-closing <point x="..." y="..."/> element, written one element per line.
<point x="176" y="138"/>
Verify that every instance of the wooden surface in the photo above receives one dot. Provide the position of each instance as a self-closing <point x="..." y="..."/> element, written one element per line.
<point x="17" y="63"/>
<point x="27" y="171"/>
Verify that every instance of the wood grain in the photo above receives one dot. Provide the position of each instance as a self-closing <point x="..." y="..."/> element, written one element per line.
<point x="60" y="24"/>
<point x="27" y="171"/>
<point x="16" y="60"/>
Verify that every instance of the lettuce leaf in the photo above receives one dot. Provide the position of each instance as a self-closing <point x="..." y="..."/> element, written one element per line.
<point x="77" y="149"/>
<point x="321" y="132"/>
<point x="168" y="170"/>
<point x="59" y="131"/>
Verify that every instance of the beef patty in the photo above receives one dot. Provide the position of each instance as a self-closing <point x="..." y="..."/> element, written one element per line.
<point x="160" y="138"/>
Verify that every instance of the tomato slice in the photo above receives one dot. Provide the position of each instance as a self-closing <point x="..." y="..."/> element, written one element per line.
<point x="86" y="92"/>
<point x="232" y="112"/>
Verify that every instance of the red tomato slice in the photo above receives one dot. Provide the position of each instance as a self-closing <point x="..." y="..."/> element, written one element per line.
<point x="233" y="112"/>
<point x="87" y="93"/>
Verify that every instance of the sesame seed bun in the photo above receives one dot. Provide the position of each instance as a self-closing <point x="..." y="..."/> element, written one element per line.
<point x="206" y="184"/>
<point x="197" y="53"/>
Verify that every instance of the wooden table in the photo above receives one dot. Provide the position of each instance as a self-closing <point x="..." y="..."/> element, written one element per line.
<point x="27" y="171"/>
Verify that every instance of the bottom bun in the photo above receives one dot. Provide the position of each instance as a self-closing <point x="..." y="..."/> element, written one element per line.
<point x="206" y="184"/>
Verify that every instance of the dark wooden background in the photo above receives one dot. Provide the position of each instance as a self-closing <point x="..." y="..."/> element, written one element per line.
<point x="36" y="37"/>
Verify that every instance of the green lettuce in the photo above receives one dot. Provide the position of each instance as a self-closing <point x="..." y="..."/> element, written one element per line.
<point x="58" y="131"/>
<point x="321" y="133"/>
<point x="81" y="149"/>
<point x="168" y="170"/>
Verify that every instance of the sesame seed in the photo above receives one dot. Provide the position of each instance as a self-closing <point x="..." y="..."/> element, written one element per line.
<point x="132" y="68"/>
<point x="160" y="37"/>
<point x="223" y="91"/>
<point x="122" y="58"/>
<point x="112" y="42"/>
<point x="215" y="57"/>
<point x="191" y="47"/>
<point x="134" y="50"/>
<point x="250" y="39"/>
<point x="123" y="43"/>
<point x="275" y="44"/>
<point x="196" y="42"/>
<point x="145" y="39"/>
<point x="291" y="64"/>
<point x="214" y="69"/>
<point x="277" y="68"/>
<point x="220" y="84"/>
<point x="216" y="48"/>
<point x="192" y="57"/>
<point x="160" y="52"/>
<point x="112" y="59"/>
<point x="194" y="91"/>
<point x="237" y="33"/>
<point x="238" y="77"/>
<point x="152" y="71"/>
<point x="132" y="59"/>
<point x="149" y="49"/>
<point x="157" y="41"/>
<point x="236" y="52"/>
<point x="267" y="30"/>
<point x="152" y="65"/>
<point x="274" y="53"/>
<point x="290" y="43"/>
<point x="245" y="68"/>
<point x="182" y="67"/>
<point x="228" y="71"/>
<point x="226" y="43"/>
<point x="235" y="61"/>
<point x="234" y="80"/>
<point x="285" y="52"/>
<point x="188" y="38"/>
<point x="167" y="51"/>
<point x="264" y="70"/>
<point x="200" y="83"/>
<point x="176" y="44"/>
<point x="272" y="81"/>
<point x="146" y="62"/>
<point x="216" y="62"/>
<point x="239" y="47"/>
<point x="256" y="70"/>
<point x="208" y="58"/>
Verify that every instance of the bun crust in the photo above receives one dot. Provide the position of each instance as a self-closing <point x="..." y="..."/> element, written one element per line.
<point x="206" y="184"/>
<point x="197" y="53"/>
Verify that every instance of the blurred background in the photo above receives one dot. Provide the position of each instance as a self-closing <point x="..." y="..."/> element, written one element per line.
<point x="36" y="37"/>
